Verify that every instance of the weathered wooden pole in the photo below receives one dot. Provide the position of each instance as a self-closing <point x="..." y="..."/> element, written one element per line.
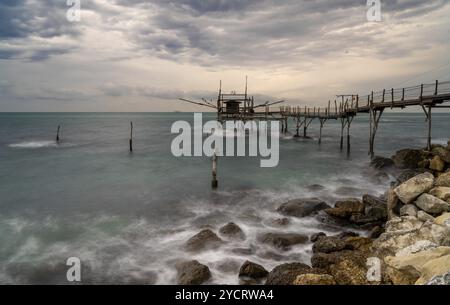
<point x="429" y="128"/>
<point x="131" y="137"/>
<point x="57" y="133"/>
<point x="342" y="133"/>
<point x="322" y="122"/>
<point x="214" y="182"/>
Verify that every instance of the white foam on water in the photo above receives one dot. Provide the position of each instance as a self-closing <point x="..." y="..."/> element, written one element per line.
<point x="34" y="144"/>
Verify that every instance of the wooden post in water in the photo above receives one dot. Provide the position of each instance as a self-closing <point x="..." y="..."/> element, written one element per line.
<point x="57" y="133"/>
<point x="214" y="182"/>
<point x="131" y="137"/>
<point x="429" y="128"/>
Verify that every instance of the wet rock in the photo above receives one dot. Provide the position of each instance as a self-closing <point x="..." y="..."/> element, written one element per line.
<point x="437" y="164"/>
<point x="204" y="240"/>
<point x="192" y="273"/>
<point x="376" y="232"/>
<point x="414" y="187"/>
<point x="283" y="241"/>
<point x="381" y="162"/>
<point x="280" y="222"/>
<point x="345" y="234"/>
<point x="361" y="219"/>
<point x="407" y="158"/>
<point x="408" y="210"/>
<point x="233" y="231"/>
<point x="431" y="204"/>
<point x="243" y="251"/>
<point x="376" y="211"/>
<point x="286" y="274"/>
<point x="315" y="187"/>
<point x="252" y="270"/>
<point x="370" y="200"/>
<point x="314" y="279"/>
<point x="442" y="193"/>
<point x="358" y="243"/>
<point x="327" y="244"/>
<point x="346" y="208"/>
<point x="423" y="216"/>
<point x="316" y="236"/>
<point x="302" y="207"/>
<point x="443" y="180"/>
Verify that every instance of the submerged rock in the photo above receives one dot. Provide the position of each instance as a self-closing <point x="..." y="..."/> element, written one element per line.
<point x="315" y="187"/>
<point x="204" y="240"/>
<point x="302" y="207"/>
<point x="286" y="274"/>
<point x="233" y="231"/>
<point x="381" y="162"/>
<point x="283" y="241"/>
<point x="252" y="270"/>
<point x="192" y="273"/>
<point x="414" y="187"/>
<point x="314" y="279"/>
<point x="431" y="204"/>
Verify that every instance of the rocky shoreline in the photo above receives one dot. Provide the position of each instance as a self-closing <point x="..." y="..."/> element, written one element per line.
<point x="407" y="242"/>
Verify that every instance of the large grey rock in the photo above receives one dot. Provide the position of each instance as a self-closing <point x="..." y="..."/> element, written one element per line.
<point x="424" y="216"/>
<point x="302" y="207"/>
<point x="408" y="210"/>
<point x="407" y="174"/>
<point x="204" y="240"/>
<point x="283" y="241"/>
<point x="431" y="204"/>
<point x="192" y="273"/>
<point x="414" y="187"/>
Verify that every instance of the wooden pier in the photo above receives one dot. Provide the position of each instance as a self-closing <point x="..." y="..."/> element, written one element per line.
<point x="241" y="107"/>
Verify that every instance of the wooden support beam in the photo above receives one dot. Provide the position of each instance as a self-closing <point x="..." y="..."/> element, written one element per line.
<point x="57" y="133"/>
<point x="131" y="137"/>
<point x="322" y="122"/>
<point x="429" y="128"/>
<point x="214" y="182"/>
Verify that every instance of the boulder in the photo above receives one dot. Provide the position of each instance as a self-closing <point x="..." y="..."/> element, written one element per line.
<point x="204" y="240"/>
<point x="421" y="245"/>
<point x="441" y="192"/>
<point x="414" y="187"/>
<point x="358" y="243"/>
<point x="408" y="210"/>
<point x="443" y="179"/>
<point x="376" y="211"/>
<point x="350" y="272"/>
<point x="280" y="222"/>
<point x="233" y="231"/>
<point x="442" y="153"/>
<point x="423" y="216"/>
<point x="443" y="220"/>
<point x="192" y="273"/>
<point x="431" y="204"/>
<point x="252" y="270"/>
<point x="283" y="241"/>
<point x="407" y="158"/>
<point x="376" y="232"/>
<point x="316" y="236"/>
<point x="407" y="174"/>
<point x="424" y="264"/>
<point x="314" y="279"/>
<point x="327" y="244"/>
<point x="370" y="200"/>
<point x="381" y="162"/>
<point x="286" y="274"/>
<point x="302" y="207"/>
<point x="440" y="279"/>
<point x="346" y="208"/>
<point x="437" y="164"/>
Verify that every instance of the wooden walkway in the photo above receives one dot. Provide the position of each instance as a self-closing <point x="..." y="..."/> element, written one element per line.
<point x="426" y="96"/>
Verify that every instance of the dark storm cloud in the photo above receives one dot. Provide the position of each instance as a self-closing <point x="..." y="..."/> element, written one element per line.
<point x="24" y="21"/>
<point x="210" y="32"/>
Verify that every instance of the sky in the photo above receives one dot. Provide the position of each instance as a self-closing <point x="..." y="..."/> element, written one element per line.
<point x="135" y="55"/>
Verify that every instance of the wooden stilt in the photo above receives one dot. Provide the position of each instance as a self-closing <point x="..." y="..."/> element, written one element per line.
<point x="57" y="133"/>
<point x="131" y="137"/>
<point x="375" y="119"/>
<point x="214" y="182"/>
<point x="322" y="122"/>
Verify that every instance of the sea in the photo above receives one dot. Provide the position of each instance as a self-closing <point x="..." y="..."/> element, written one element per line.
<point x="127" y="216"/>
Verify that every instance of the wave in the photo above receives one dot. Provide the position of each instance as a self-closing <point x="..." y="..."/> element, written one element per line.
<point x="34" y="144"/>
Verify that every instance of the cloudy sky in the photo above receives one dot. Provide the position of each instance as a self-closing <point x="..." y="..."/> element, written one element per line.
<point x="136" y="55"/>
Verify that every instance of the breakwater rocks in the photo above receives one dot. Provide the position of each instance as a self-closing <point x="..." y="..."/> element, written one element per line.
<point x="407" y="239"/>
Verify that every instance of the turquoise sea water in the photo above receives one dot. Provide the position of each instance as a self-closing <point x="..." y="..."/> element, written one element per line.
<point x="126" y="216"/>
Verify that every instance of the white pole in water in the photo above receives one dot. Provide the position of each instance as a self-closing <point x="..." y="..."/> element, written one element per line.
<point x="214" y="182"/>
